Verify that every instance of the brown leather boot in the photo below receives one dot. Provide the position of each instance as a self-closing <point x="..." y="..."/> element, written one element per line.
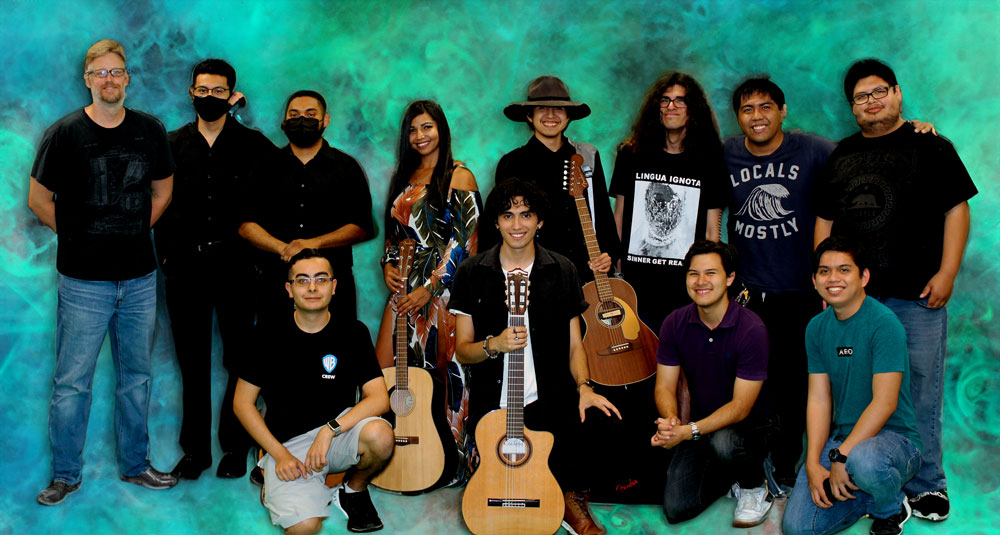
<point x="577" y="520"/>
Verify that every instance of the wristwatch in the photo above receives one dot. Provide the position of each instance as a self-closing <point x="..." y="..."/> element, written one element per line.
<point x="588" y="382"/>
<point x="836" y="456"/>
<point x="334" y="426"/>
<point x="695" y="433"/>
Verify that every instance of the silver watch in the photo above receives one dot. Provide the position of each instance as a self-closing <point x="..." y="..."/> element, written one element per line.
<point x="334" y="426"/>
<point x="695" y="433"/>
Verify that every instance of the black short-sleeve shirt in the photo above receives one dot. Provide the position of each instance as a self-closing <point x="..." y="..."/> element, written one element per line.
<point x="101" y="178"/>
<point x="292" y="200"/>
<point x="307" y="379"/>
<point x="667" y="198"/>
<point x="891" y="193"/>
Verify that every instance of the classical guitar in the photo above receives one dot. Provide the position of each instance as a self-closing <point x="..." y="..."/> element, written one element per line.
<point x="513" y="492"/>
<point x="424" y="457"/>
<point x="620" y="348"/>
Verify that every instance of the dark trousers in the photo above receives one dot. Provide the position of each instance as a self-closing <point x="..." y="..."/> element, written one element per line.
<point x="787" y="388"/>
<point x="701" y="471"/>
<point x="192" y="296"/>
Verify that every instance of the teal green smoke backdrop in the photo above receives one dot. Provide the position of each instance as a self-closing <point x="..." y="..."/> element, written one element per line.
<point x="369" y="59"/>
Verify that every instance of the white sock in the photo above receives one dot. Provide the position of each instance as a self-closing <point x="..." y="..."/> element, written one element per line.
<point x="348" y="489"/>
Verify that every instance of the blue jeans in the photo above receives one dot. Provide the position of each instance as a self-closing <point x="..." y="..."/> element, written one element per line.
<point x="879" y="466"/>
<point x="87" y="311"/>
<point x="926" y="342"/>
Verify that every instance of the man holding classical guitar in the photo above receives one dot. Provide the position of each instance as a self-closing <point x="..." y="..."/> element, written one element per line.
<point x="308" y="367"/>
<point x="722" y="349"/>
<point x="549" y="378"/>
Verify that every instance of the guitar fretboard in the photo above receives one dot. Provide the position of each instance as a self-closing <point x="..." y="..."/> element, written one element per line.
<point x="515" y="386"/>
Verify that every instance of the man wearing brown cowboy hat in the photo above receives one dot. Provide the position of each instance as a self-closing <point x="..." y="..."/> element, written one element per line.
<point x="544" y="160"/>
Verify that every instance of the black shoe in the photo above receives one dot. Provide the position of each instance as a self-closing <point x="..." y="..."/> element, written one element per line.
<point x="933" y="506"/>
<point x="55" y="493"/>
<point x="152" y="479"/>
<point x="257" y="476"/>
<point x="232" y="465"/>
<point x="361" y="514"/>
<point x="892" y="525"/>
<point x="190" y="467"/>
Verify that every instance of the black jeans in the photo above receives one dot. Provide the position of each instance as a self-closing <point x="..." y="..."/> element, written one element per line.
<point x="787" y="387"/>
<point x="191" y="300"/>
<point x="702" y="471"/>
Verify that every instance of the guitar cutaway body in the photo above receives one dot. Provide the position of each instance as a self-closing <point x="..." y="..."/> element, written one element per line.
<point x="620" y="348"/>
<point x="513" y="492"/>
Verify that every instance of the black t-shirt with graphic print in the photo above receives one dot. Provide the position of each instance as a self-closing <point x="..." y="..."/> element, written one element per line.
<point x="307" y="379"/>
<point x="891" y="193"/>
<point x="101" y="179"/>
<point x="667" y="198"/>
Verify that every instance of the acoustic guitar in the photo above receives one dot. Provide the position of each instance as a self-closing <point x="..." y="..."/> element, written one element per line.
<point x="423" y="454"/>
<point x="620" y="348"/>
<point x="513" y="492"/>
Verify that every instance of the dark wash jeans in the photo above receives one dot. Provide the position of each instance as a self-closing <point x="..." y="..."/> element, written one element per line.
<point x="702" y="471"/>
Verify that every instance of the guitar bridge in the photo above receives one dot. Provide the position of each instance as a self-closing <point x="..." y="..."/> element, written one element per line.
<point x="512" y="502"/>
<point x="406" y="441"/>
<point x="619" y="348"/>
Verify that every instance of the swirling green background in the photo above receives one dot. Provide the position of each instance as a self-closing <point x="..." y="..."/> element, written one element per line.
<point x="369" y="59"/>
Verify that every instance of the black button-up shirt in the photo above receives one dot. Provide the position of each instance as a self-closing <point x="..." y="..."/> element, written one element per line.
<point x="555" y="298"/>
<point x="210" y="184"/>
<point x="300" y="201"/>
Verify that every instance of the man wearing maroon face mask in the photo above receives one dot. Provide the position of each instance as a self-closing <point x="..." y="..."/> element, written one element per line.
<point x="197" y="235"/>
<point x="311" y="196"/>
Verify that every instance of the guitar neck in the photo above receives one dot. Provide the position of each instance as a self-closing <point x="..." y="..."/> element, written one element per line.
<point x="593" y="250"/>
<point x="515" y="386"/>
<point x="402" y="377"/>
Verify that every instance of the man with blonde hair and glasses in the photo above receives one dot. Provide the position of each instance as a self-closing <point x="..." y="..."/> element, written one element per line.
<point x="102" y="177"/>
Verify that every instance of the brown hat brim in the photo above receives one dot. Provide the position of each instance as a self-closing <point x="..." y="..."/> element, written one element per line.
<point x="519" y="111"/>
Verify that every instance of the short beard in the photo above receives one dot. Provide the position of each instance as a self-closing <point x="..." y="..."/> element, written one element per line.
<point x="113" y="100"/>
<point x="881" y="126"/>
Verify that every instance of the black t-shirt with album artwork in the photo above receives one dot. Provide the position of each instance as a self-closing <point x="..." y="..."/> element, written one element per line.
<point x="667" y="198"/>
<point x="307" y="379"/>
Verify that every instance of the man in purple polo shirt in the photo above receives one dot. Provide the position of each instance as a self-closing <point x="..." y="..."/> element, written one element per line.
<point x="722" y="349"/>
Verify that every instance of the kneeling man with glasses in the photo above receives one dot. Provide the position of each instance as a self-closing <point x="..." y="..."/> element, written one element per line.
<point x="308" y="367"/>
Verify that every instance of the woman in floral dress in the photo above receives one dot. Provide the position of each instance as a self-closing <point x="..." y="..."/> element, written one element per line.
<point x="433" y="200"/>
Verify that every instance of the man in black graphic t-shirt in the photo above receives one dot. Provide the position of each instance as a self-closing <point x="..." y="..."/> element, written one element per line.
<point x="669" y="191"/>
<point x="102" y="177"/>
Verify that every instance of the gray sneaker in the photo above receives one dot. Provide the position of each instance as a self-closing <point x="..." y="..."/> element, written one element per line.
<point x="752" y="506"/>
<point x="56" y="492"/>
<point x="152" y="479"/>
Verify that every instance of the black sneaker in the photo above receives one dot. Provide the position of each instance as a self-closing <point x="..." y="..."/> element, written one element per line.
<point x="257" y="476"/>
<point x="892" y="525"/>
<point x="933" y="506"/>
<point x="152" y="479"/>
<point x="361" y="514"/>
<point x="55" y="493"/>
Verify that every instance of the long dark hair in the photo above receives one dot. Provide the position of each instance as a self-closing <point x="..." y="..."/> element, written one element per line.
<point x="407" y="160"/>
<point x="648" y="133"/>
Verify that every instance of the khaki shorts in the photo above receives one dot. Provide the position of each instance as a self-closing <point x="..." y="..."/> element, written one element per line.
<point x="291" y="502"/>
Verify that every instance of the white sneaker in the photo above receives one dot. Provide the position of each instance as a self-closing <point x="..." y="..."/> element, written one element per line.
<point x="752" y="506"/>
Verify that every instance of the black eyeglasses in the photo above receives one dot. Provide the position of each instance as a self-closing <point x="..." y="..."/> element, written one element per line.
<point x="306" y="281"/>
<point x="103" y="73"/>
<point x="862" y="98"/>
<point x="679" y="102"/>
<point x="203" y="91"/>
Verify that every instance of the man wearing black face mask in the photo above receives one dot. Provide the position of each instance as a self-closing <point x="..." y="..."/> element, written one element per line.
<point x="312" y="196"/>
<point x="197" y="238"/>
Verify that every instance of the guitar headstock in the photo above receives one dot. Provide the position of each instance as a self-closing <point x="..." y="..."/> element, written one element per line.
<point x="577" y="182"/>
<point x="517" y="292"/>
<point x="406" y="248"/>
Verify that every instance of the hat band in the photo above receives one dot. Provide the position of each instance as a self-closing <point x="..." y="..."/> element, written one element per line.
<point x="560" y="97"/>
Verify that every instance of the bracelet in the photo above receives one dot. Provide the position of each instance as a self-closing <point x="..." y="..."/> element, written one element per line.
<point x="486" y="351"/>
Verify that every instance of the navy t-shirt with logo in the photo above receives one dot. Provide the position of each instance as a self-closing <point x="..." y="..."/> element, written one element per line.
<point x="308" y="379"/>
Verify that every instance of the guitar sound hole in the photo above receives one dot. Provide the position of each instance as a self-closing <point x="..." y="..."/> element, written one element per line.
<point x="610" y="313"/>
<point x="514" y="451"/>
<point x="401" y="402"/>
